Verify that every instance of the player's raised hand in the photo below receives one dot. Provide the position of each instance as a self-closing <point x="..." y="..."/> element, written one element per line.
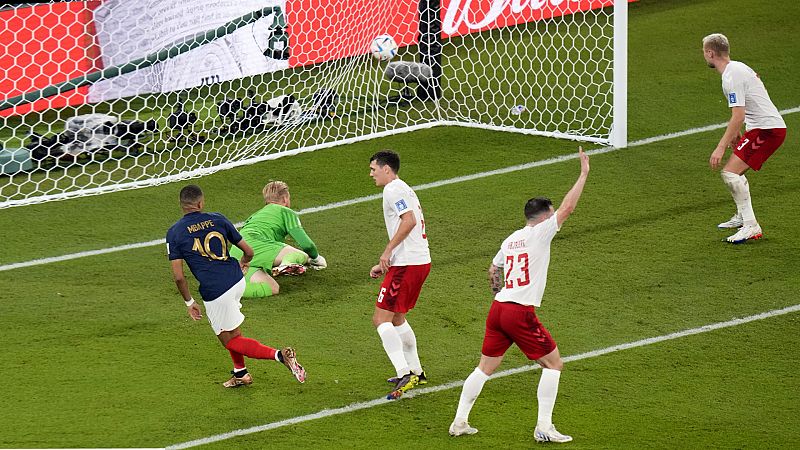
<point x="584" y="161"/>
<point x="194" y="312"/>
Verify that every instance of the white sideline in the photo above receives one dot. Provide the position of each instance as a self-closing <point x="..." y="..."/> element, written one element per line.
<point x="454" y="384"/>
<point x="544" y="162"/>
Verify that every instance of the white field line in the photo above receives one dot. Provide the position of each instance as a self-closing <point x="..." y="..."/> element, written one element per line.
<point x="354" y="201"/>
<point x="454" y="384"/>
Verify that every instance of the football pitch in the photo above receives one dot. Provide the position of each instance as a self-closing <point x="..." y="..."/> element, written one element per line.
<point x="672" y="338"/>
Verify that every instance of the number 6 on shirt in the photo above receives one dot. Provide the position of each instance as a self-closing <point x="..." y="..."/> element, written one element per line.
<point x="526" y="278"/>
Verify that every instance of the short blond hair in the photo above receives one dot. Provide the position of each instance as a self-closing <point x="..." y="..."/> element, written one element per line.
<point x="275" y="191"/>
<point x="718" y="43"/>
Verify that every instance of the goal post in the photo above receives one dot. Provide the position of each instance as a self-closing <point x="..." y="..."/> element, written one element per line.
<point x="619" y="129"/>
<point x="539" y="67"/>
<point x="109" y="95"/>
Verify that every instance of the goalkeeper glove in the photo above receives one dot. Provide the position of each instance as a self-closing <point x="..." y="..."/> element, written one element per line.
<point x="318" y="263"/>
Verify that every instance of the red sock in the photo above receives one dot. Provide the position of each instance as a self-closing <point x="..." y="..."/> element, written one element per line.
<point x="250" y="348"/>
<point x="238" y="360"/>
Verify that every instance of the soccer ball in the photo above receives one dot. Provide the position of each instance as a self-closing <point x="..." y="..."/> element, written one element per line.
<point x="383" y="47"/>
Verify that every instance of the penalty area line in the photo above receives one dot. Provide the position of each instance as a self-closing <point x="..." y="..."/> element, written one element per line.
<point x="420" y="187"/>
<point x="454" y="384"/>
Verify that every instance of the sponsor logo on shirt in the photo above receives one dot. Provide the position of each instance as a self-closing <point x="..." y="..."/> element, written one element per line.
<point x="401" y="205"/>
<point x="732" y="97"/>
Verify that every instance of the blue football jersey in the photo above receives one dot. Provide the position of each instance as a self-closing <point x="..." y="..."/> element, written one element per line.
<point x="202" y="240"/>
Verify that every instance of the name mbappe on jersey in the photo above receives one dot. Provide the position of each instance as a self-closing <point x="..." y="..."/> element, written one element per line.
<point x="202" y="240"/>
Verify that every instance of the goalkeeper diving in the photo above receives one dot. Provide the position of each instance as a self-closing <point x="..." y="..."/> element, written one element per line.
<point x="266" y="231"/>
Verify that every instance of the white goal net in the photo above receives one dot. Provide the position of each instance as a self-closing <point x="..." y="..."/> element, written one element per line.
<point x="104" y="95"/>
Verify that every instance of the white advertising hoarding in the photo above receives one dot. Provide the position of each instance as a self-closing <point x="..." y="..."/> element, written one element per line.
<point x="131" y="29"/>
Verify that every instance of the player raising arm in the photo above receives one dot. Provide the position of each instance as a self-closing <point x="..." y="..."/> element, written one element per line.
<point x="202" y="240"/>
<point x="518" y="275"/>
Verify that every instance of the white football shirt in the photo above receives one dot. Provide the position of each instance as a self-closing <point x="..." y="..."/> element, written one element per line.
<point x="742" y="87"/>
<point x="399" y="199"/>
<point x="524" y="257"/>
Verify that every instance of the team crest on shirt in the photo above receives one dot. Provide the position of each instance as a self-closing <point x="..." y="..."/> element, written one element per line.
<point x="401" y="205"/>
<point x="732" y="97"/>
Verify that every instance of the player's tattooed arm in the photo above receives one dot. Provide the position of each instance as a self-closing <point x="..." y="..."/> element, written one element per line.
<point x="495" y="279"/>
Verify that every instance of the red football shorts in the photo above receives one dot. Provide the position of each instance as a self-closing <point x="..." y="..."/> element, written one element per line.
<point x="512" y="323"/>
<point x="758" y="145"/>
<point x="400" y="288"/>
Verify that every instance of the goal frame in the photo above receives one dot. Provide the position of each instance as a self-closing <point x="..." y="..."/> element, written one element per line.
<point x="430" y="52"/>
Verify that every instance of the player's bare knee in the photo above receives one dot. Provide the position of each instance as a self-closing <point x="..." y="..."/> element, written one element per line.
<point x="381" y="316"/>
<point x="488" y="371"/>
<point x="551" y="360"/>
<point x="489" y="364"/>
<point x="735" y="166"/>
<point x="552" y="363"/>
<point x="226" y="336"/>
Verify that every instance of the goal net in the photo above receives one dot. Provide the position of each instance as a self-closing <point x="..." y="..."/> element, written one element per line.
<point x="105" y="95"/>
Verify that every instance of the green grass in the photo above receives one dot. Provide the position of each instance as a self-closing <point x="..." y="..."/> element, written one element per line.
<point x="98" y="351"/>
<point x="611" y="411"/>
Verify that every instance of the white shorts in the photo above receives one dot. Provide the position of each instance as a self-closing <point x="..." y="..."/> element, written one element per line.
<point x="224" y="311"/>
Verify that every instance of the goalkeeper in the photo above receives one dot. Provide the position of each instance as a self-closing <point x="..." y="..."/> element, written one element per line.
<point x="266" y="231"/>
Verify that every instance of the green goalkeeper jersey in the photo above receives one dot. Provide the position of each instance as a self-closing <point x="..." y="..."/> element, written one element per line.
<point x="273" y="223"/>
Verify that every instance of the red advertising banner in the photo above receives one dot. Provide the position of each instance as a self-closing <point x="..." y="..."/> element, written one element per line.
<point x="46" y="44"/>
<point x="335" y="29"/>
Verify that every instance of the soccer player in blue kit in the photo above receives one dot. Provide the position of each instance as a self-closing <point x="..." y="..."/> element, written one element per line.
<point x="203" y="240"/>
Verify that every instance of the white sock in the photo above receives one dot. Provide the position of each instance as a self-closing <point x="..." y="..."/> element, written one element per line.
<point x="409" y="347"/>
<point x="546" y="395"/>
<point x="469" y="393"/>
<point x="394" y="347"/>
<point x="740" y="191"/>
